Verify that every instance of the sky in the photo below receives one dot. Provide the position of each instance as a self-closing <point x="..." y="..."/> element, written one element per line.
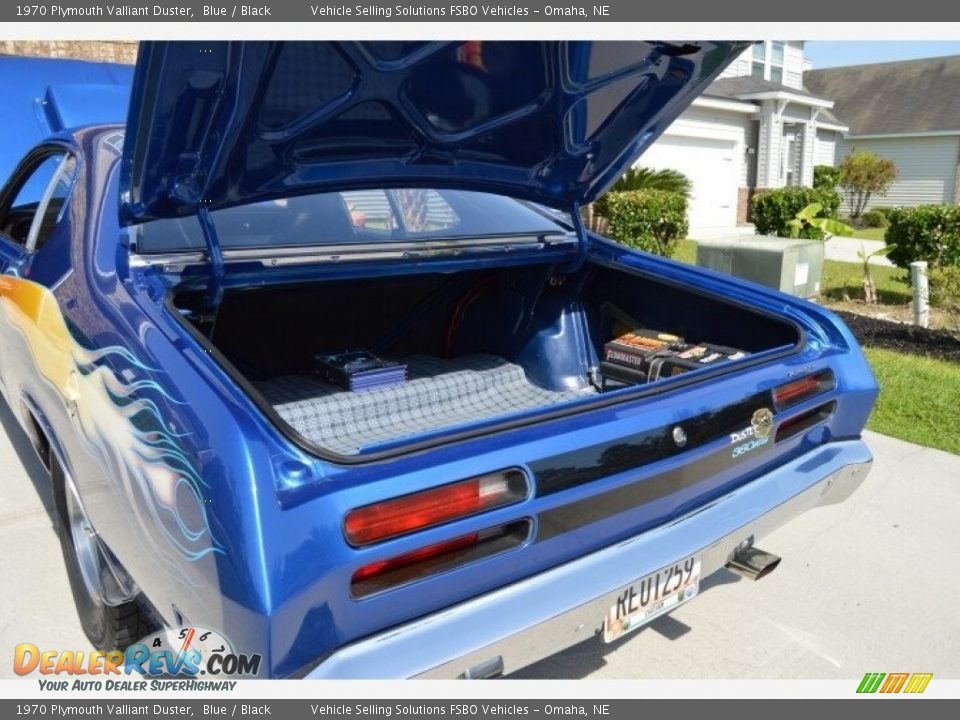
<point x="826" y="54"/>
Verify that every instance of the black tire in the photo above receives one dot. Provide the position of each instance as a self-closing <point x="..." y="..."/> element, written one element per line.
<point x="107" y="627"/>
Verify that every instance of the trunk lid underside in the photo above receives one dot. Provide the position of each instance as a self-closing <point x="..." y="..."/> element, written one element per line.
<point x="218" y="124"/>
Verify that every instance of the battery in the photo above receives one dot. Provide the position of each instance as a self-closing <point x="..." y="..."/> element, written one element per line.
<point x="635" y="348"/>
<point x="692" y="357"/>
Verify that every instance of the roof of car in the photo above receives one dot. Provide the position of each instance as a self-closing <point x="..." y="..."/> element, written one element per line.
<point x="912" y="96"/>
<point x="44" y="96"/>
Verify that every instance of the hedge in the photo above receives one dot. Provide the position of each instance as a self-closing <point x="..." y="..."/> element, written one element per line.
<point x="651" y="220"/>
<point x="826" y="177"/>
<point x="874" y="219"/>
<point x="926" y="232"/>
<point x="945" y="287"/>
<point x="772" y="210"/>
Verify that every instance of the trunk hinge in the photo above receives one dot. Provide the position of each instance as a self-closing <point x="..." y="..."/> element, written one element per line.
<point x="208" y="320"/>
<point x="581" y="231"/>
<point x="215" y="256"/>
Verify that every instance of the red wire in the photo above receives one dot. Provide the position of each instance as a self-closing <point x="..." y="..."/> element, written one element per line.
<point x="459" y="312"/>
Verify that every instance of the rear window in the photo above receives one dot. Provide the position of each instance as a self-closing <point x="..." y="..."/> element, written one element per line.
<point x="355" y="216"/>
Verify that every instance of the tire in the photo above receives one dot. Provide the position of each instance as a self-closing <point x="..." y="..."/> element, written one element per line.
<point x="108" y="626"/>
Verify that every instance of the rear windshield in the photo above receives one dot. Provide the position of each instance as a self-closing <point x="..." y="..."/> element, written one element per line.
<point x="356" y="216"/>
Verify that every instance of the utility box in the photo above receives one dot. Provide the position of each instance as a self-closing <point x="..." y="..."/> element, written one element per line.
<point x="791" y="266"/>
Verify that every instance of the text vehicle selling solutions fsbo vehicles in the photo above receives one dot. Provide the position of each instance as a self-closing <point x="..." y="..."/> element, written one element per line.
<point x="319" y="354"/>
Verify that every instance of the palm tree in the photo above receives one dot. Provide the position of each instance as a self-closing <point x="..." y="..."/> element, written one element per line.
<point x="641" y="178"/>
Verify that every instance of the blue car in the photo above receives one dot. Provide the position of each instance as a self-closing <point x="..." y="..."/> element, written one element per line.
<point x="320" y="356"/>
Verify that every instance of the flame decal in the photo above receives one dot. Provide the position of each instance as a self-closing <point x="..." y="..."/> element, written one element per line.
<point x="116" y="405"/>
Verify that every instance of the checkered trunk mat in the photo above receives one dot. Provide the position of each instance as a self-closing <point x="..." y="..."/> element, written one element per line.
<point x="438" y="395"/>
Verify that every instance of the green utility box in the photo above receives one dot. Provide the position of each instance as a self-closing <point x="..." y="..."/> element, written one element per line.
<point x="791" y="266"/>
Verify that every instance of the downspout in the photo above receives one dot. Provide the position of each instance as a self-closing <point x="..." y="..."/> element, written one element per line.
<point x="775" y="139"/>
<point x="811" y="135"/>
<point x="956" y="178"/>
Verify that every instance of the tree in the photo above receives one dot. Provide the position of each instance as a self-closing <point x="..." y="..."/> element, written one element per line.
<point x="641" y="178"/>
<point x="869" y="288"/>
<point x="862" y="175"/>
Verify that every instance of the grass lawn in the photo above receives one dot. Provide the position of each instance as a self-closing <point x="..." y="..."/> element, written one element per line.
<point x="686" y="251"/>
<point x="844" y="278"/>
<point x="870" y="233"/>
<point x="919" y="399"/>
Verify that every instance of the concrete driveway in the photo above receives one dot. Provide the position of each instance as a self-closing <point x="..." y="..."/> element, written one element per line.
<point x="870" y="585"/>
<point x="848" y="249"/>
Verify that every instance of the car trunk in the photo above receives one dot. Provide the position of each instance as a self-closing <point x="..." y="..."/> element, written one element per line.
<point x="480" y="347"/>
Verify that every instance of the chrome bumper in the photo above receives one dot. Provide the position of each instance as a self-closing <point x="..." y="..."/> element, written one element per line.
<point x="505" y="627"/>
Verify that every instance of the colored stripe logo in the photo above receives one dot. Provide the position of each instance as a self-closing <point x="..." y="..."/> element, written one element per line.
<point x="887" y="683"/>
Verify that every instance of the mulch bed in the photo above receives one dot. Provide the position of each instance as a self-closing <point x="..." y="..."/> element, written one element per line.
<point x="873" y="332"/>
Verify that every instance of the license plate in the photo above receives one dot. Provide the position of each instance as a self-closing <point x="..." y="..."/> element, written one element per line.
<point x="652" y="596"/>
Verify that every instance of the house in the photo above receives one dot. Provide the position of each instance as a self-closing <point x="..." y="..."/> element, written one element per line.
<point x="908" y="112"/>
<point x="755" y="127"/>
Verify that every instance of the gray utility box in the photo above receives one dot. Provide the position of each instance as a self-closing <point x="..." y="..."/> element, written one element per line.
<point x="791" y="266"/>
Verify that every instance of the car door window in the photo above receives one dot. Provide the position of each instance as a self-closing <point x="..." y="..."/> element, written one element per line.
<point x="40" y="201"/>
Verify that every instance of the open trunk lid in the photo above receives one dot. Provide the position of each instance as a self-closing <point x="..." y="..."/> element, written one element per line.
<point x="215" y="125"/>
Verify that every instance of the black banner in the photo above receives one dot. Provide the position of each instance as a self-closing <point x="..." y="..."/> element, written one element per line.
<point x="473" y="709"/>
<point x="326" y="11"/>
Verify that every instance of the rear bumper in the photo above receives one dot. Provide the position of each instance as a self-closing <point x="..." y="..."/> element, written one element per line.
<point x="572" y="599"/>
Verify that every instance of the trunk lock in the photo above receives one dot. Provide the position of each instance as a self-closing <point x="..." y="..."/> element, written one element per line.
<point x="679" y="436"/>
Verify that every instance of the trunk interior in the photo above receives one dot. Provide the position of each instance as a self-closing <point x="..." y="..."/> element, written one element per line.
<point x="479" y="346"/>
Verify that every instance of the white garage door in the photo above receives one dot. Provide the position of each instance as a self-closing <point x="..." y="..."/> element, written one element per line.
<point x="712" y="167"/>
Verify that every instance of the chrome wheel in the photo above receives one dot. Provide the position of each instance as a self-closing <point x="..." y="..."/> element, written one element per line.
<point x="101" y="575"/>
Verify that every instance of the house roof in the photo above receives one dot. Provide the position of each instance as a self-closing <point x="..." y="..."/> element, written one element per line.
<point x="742" y="88"/>
<point x="913" y="96"/>
<point x="734" y="87"/>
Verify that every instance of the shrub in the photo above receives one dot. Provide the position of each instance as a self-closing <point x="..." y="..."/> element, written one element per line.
<point x="651" y="220"/>
<point x="772" y="210"/>
<point x="874" y="218"/>
<point x="945" y="287"/>
<point x="826" y="177"/>
<point x="862" y="175"/>
<point x="926" y="232"/>
<point x="884" y="210"/>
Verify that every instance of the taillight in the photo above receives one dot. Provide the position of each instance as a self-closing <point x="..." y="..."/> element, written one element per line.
<point x="806" y="387"/>
<point x="439" y="557"/>
<point x="402" y="515"/>
<point x="805" y="420"/>
<point x="381" y="567"/>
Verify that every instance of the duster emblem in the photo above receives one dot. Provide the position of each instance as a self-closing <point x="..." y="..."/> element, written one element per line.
<point x="762" y="422"/>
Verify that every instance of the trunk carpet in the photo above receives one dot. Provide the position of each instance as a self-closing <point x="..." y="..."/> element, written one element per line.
<point x="439" y="394"/>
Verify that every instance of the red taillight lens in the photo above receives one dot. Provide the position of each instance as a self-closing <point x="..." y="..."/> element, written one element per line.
<point x="805" y="420"/>
<point x="431" y="551"/>
<point x="433" y="559"/>
<point x="802" y="389"/>
<point x="391" y="518"/>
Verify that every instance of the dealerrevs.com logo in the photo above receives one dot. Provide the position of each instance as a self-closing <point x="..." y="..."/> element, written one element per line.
<point x="181" y="652"/>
